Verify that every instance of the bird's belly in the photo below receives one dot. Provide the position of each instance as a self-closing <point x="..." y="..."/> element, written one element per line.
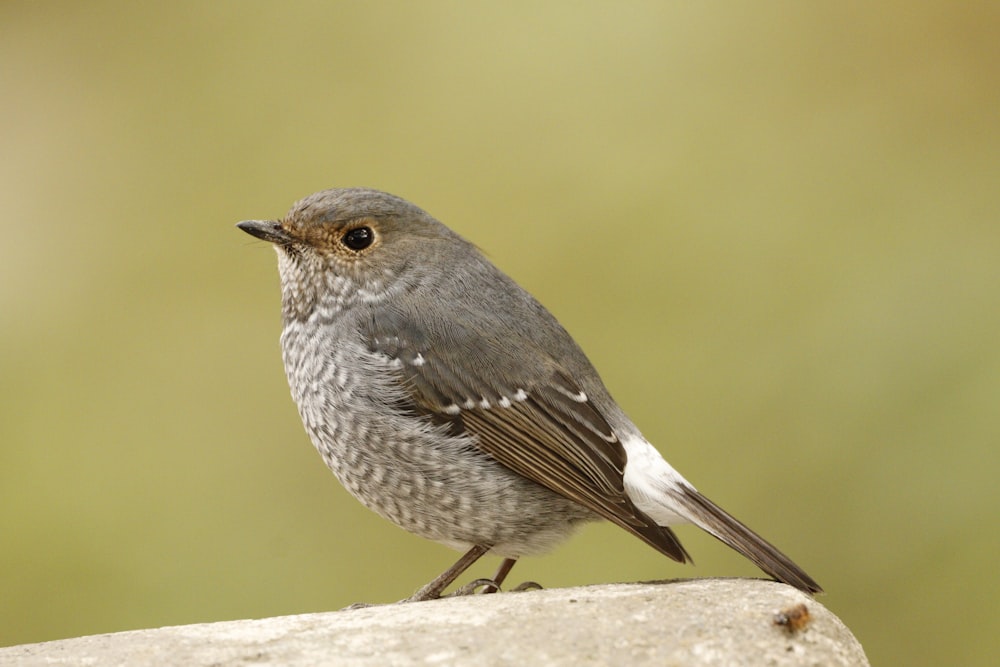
<point x="417" y="475"/>
<point x="454" y="495"/>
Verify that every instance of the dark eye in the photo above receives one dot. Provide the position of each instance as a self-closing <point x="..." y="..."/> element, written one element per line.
<point x="358" y="238"/>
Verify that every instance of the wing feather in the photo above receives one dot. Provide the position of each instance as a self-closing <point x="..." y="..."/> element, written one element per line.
<point x="530" y="417"/>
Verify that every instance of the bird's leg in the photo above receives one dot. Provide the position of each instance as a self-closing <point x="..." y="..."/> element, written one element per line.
<point x="433" y="590"/>
<point x="488" y="585"/>
<point x="501" y="574"/>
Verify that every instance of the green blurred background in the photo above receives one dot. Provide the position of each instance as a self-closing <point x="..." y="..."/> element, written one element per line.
<point x="773" y="227"/>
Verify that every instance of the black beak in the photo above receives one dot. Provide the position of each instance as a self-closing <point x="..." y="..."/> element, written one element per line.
<point x="266" y="230"/>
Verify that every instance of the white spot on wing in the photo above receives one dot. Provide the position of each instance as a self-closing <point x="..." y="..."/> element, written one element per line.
<point x="469" y="404"/>
<point x="579" y="397"/>
<point x="418" y="360"/>
<point x="504" y="402"/>
<point x="484" y="404"/>
<point x="520" y="395"/>
<point x="452" y="409"/>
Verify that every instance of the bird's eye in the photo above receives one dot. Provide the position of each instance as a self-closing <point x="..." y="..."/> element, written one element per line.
<point x="358" y="238"/>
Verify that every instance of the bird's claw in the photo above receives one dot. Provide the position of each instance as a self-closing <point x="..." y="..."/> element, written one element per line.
<point x="358" y="605"/>
<point x="471" y="588"/>
<point x="527" y="586"/>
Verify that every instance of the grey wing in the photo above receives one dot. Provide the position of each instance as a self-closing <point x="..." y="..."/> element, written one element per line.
<point x="523" y="410"/>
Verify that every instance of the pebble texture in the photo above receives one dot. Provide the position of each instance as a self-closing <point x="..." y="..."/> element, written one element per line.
<point x="686" y="622"/>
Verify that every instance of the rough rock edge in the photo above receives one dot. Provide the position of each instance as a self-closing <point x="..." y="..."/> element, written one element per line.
<point x="678" y="622"/>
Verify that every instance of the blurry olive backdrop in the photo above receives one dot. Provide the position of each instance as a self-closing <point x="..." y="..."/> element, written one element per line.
<point x="773" y="226"/>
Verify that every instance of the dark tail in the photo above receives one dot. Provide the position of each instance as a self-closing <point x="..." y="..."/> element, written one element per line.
<point x="716" y="521"/>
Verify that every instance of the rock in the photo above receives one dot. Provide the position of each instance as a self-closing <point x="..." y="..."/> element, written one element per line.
<point x="686" y="622"/>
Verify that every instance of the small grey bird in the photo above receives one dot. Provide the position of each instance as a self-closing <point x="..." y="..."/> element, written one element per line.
<point x="448" y="400"/>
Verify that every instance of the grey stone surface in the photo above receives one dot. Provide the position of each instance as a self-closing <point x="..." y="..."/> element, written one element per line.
<point x="687" y="622"/>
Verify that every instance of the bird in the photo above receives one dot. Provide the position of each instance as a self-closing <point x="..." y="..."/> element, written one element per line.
<point x="448" y="400"/>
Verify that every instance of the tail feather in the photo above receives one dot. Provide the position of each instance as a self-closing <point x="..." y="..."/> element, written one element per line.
<point x="720" y="524"/>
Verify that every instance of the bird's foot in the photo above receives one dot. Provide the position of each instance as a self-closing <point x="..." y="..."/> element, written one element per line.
<point x="489" y="586"/>
<point x="474" y="586"/>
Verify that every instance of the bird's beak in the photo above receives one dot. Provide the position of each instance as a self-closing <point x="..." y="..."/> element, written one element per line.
<point x="266" y="230"/>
